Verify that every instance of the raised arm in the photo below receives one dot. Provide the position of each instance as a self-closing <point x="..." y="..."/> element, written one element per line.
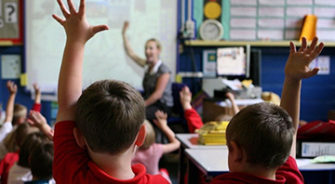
<point x="140" y="61"/>
<point x="12" y="89"/>
<point x="78" y="32"/>
<point x="231" y="98"/>
<point x="296" y="69"/>
<point x="38" y="120"/>
<point x="161" y="123"/>
<point x="162" y="81"/>
<point x="193" y="119"/>
<point x="37" y="94"/>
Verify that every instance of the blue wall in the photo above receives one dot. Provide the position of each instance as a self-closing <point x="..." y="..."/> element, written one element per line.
<point x="318" y="93"/>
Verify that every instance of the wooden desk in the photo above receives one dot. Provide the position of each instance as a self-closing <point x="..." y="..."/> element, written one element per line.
<point x="213" y="162"/>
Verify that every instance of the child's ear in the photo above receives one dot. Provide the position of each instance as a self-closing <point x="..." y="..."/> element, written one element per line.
<point x="140" y="136"/>
<point x="79" y="138"/>
<point x="235" y="151"/>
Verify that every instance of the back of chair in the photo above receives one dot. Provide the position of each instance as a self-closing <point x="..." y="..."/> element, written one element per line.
<point x="177" y="108"/>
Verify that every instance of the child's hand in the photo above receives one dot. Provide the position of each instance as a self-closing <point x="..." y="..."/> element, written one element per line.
<point x="36" y="89"/>
<point x="185" y="98"/>
<point x="36" y="119"/>
<point x="75" y="24"/>
<point x="12" y="88"/>
<point x="297" y="65"/>
<point x="125" y="27"/>
<point x="161" y="119"/>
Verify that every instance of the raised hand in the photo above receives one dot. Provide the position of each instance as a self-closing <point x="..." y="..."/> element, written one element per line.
<point x="36" y="89"/>
<point x="161" y="119"/>
<point x="75" y="24"/>
<point x="12" y="87"/>
<point x="297" y="65"/>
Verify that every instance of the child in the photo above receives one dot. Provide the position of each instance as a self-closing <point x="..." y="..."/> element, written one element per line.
<point x="97" y="130"/>
<point x="20" y="171"/>
<point x="17" y="114"/>
<point x="261" y="138"/>
<point x="41" y="163"/>
<point x="192" y="117"/>
<point x="150" y="152"/>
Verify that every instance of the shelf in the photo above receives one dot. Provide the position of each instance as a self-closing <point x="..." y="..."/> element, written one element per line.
<point x="202" y="43"/>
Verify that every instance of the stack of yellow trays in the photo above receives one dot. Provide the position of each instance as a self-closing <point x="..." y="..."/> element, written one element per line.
<point x="213" y="133"/>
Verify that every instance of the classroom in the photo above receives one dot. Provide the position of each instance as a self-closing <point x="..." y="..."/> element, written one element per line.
<point x="158" y="91"/>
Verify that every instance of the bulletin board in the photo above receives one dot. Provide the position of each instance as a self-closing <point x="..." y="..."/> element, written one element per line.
<point x="11" y="26"/>
<point x="272" y="19"/>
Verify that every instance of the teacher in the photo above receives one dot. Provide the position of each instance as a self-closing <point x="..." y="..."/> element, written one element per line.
<point x="156" y="83"/>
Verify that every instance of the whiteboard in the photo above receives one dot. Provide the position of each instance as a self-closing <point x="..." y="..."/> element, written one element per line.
<point x="105" y="57"/>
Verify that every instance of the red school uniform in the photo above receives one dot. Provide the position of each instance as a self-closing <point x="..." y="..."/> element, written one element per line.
<point x="73" y="164"/>
<point x="287" y="173"/>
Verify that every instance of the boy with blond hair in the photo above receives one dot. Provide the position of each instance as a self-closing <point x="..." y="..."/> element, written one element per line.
<point x="261" y="138"/>
<point x="97" y="130"/>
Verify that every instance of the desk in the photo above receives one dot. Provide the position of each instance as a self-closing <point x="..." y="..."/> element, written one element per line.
<point x="190" y="141"/>
<point x="213" y="162"/>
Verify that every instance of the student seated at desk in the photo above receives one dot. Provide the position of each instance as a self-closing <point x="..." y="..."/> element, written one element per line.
<point x="192" y="117"/>
<point x="261" y="138"/>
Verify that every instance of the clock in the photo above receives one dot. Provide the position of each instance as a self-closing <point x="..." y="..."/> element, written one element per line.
<point x="211" y="29"/>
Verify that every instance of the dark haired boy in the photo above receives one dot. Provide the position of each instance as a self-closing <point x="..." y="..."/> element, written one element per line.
<point x="261" y="138"/>
<point x="98" y="130"/>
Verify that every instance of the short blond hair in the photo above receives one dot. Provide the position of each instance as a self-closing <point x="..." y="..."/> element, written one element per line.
<point x="158" y="44"/>
<point x="20" y="111"/>
<point x="149" y="135"/>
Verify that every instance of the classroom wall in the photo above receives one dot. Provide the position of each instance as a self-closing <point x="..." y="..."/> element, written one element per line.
<point x="318" y="93"/>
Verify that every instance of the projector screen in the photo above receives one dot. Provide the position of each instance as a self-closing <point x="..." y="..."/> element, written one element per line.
<point x="105" y="57"/>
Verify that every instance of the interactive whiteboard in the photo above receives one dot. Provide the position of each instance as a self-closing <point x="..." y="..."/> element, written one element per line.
<point x="105" y="57"/>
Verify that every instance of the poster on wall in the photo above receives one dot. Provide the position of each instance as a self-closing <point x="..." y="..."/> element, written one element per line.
<point x="11" y="21"/>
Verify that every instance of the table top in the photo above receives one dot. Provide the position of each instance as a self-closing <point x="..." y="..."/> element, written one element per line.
<point x="191" y="141"/>
<point x="213" y="162"/>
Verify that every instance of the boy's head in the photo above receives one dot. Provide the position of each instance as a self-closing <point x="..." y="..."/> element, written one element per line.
<point x="109" y="115"/>
<point x="264" y="132"/>
<point x="41" y="161"/>
<point x="20" y="114"/>
<point x="149" y="135"/>
<point x="29" y="144"/>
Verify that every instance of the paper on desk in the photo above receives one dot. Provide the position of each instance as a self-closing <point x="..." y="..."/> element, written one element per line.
<point x="231" y="61"/>
<point x="242" y="34"/>
<point x="233" y="84"/>
<point x="269" y="11"/>
<point x="298" y="11"/>
<point x="324" y="2"/>
<point x="243" y="2"/>
<point x="243" y="22"/>
<point x="243" y="11"/>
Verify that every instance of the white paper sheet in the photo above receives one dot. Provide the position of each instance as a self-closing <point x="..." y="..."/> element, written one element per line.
<point x="298" y="11"/>
<point x="264" y="34"/>
<point x="324" y="2"/>
<point x="270" y="23"/>
<point x="294" y="23"/>
<point x="326" y="23"/>
<point x="231" y="61"/>
<point x="243" y="22"/>
<point x="326" y="35"/>
<point x="323" y="63"/>
<point x="243" y="2"/>
<point x="271" y="2"/>
<point x="243" y="11"/>
<point x="241" y="34"/>
<point x="300" y="2"/>
<point x="269" y="11"/>
<point x="324" y="12"/>
<point x="10" y="66"/>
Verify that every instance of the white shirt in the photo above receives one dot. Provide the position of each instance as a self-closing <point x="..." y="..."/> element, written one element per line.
<point x="5" y="129"/>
